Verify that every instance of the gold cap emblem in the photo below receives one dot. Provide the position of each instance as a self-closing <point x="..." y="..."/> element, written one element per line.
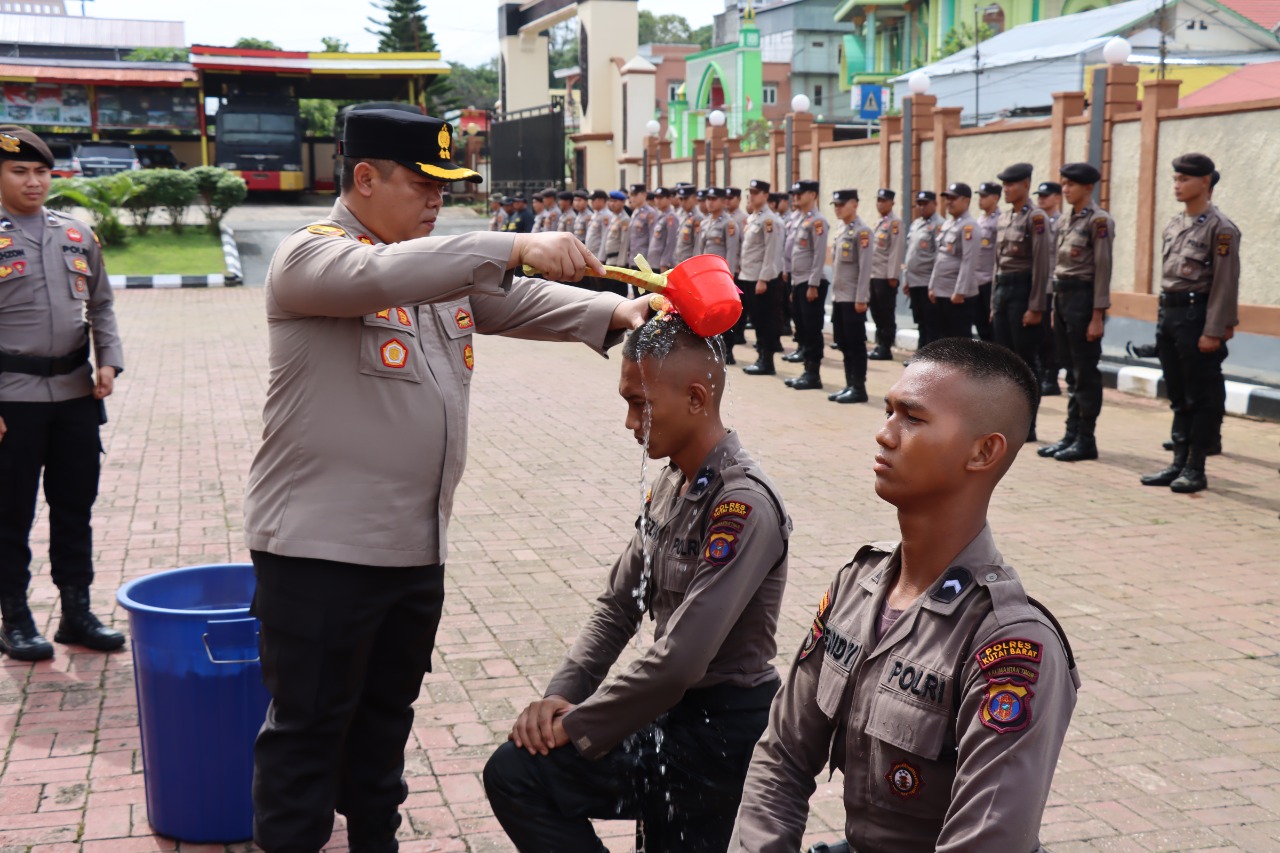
<point x="9" y="143"/>
<point x="446" y="140"/>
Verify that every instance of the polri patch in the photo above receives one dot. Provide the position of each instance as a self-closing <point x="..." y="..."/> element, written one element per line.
<point x="74" y="236"/>
<point x="6" y="242"/>
<point x="904" y="780"/>
<point x="722" y="545"/>
<point x="80" y="264"/>
<point x="819" y="227"/>
<point x="728" y="508"/>
<point x="1224" y="244"/>
<point x="1100" y="229"/>
<point x="894" y="226"/>
<point x="327" y="230"/>
<point x="968" y="232"/>
<point x="1006" y="706"/>
<point x="1011" y="649"/>
<point x="1039" y="226"/>
<point x="864" y="239"/>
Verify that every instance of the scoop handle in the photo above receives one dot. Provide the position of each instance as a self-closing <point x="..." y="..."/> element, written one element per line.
<point x="644" y="278"/>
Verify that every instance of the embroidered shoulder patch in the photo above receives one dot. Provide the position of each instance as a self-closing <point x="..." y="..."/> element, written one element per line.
<point x="818" y="227"/>
<point x="968" y="232"/>
<point x="1006" y="706"/>
<point x="1002" y="650"/>
<point x="728" y="508"/>
<point x="722" y="544"/>
<point x="894" y="226"/>
<point x="1039" y="224"/>
<point x="816" y="629"/>
<point x="1224" y="244"/>
<point x="864" y="239"/>
<point x="366" y="239"/>
<point x="768" y="225"/>
<point x="469" y="357"/>
<point x="1100" y="229"/>
<point x="732" y="229"/>
<point x="402" y="317"/>
<point x="327" y="230"/>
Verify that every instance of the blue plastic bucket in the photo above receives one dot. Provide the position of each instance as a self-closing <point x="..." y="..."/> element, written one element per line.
<point x="200" y="698"/>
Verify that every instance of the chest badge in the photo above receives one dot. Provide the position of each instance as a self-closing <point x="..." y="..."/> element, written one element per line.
<point x="6" y="270"/>
<point x="6" y="242"/>
<point x="80" y="264"/>
<point x="463" y="319"/>
<point x="394" y="354"/>
<point x="469" y="357"/>
<point x="904" y="780"/>
<point x="74" y="236"/>
<point x="81" y="281"/>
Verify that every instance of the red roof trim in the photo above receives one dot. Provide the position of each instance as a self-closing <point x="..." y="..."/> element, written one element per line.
<point x="246" y="52"/>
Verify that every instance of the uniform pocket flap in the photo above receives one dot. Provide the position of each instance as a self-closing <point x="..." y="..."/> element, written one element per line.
<point x="400" y="319"/>
<point x="76" y="263"/>
<point x="456" y="317"/>
<point x="906" y="725"/>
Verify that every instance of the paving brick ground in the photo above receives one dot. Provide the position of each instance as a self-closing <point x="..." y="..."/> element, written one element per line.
<point x="1172" y="603"/>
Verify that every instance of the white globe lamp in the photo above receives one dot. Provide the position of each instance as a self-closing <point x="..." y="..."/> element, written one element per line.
<point x="918" y="83"/>
<point x="800" y="104"/>
<point x="652" y="128"/>
<point x="1116" y="51"/>
<point x="716" y="118"/>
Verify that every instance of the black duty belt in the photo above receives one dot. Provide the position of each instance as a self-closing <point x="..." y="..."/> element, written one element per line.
<point x="1013" y="279"/>
<point x="1183" y="299"/>
<point x="720" y="698"/>
<point x="1066" y="285"/>
<point x="40" y="365"/>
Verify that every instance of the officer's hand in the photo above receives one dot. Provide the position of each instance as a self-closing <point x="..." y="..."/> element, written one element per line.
<point x="3" y="428"/>
<point x="535" y="728"/>
<point x="811" y="294"/>
<point x="1031" y="318"/>
<point x="1094" y="332"/>
<point x="905" y="288"/>
<point x="1208" y="343"/>
<point x="786" y="276"/>
<point x="762" y="288"/>
<point x="1231" y="333"/>
<point x="893" y="282"/>
<point x="933" y="300"/>
<point x="631" y="314"/>
<point x="957" y="299"/>
<point x="860" y="307"/>
<point x="559" y="255"/>
<point x="106" y="382"/>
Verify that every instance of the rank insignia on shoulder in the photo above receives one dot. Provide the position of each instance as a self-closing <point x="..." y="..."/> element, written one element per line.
<point x="74" y="236"/>
<point x="1012" y="649"/>
<point x="954" y="582"/>
<point x="904" y="780"/>
<point x="327" y="230"/>
<point x="816" y="629"/>
<point x="1006" y="706"/>
<point x="1224" y="244"/>
<point x="728" y="508"/>
<point x="968" y="232"/>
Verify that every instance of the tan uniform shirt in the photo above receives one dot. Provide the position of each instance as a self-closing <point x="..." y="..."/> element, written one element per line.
<point x="1084" y="251"/>
<point x="566" y="220"/>
<point x="639" y="233"/>
<point x="370" y="363"/>
<point x="809" y="249"/>
<point x="790" y="222"/>
<point x="922" y="250"/>
<point x="953" y="270"/>
<point x="615" y="241"/>
<point x="1024" y="244"/>
<point x="598" y="232"/>
<point x="718" y="235"/>
<point x="851" y="262"/>
<point x="498" y="222"/>
<point x="739" y="217"/>
<point x="687" y="243"/>
<point x="886" y="261"/>
<point x="1202" y="255"/>
<point x="947" y="729"/>
<point x="551" y="218"/>
<point x="54" y="296"/>
<point x="762" y="242"/>
<point x="985" y="269"/>
<point x="539" y="221"/>
<point x="582" y="223"/>
<point x="662" y="242"/>
<point x="718" y="554"/>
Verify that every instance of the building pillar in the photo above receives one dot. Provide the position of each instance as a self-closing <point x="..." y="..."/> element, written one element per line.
<point x="1156" y="95"/>
<point x="870" y="28"/>
<point x="921" y="107"/>
<point x="801" y="135"/>
<point x="777" y="145"/>
<point x="945" y="120"/>
<point x="524" y="71"/>
<point x="890" y="126"/>
<point x="608" y="29"/>
<point x="1120" y="97"/>
<point x="1065" y="105"/>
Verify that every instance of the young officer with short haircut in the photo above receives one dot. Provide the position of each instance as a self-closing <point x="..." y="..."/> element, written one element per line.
<point x="953" y="287"/>
<point x="886" y="266"/>
<point x="851" y="290"/>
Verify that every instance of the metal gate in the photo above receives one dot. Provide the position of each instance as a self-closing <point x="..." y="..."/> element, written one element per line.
<point x="526" y="150"/>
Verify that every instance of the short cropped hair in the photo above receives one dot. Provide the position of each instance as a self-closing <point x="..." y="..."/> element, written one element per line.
<point x="384" y="167"/>
<point x="984" y="362"/>
<point x="662" y="335"/>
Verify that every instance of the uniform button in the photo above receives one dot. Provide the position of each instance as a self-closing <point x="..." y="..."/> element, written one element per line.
<point x="992" y="576"/>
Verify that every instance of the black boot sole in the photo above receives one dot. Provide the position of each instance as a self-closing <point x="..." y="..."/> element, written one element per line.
<point x="106" y="644"/>
<point x="27" y="655"/>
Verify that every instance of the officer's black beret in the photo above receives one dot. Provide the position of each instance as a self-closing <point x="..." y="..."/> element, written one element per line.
<point x="886" y="194"/>
<point x="776" y="198"/>
<point x="1080" y="173"/>
<point x="1049" y="188"/>
<point x="1016" y="172"/>
<point x="686" y="191"/>
<point x="841" y="196"/>
<point x="564" y="195"/>
<point x="661" y="192"/>
<point x="958" y="191"/>
<point x="807" y="186"/>
<point x="733" y="192"/>
<point x="926" y="195"/>
<point x="1195" y="165"/>
<point x="1214" y="178"/>
<point x="717" y="192"/>
<point x="581" y="194"/>
<point x="795" y="188"/>
<point x="549" y="192"/>
<point x="989" y="188"/>
<point x="601" y="194"/>
<point x="701" y="194"/>
<point x="759" y="186"/>
<point x="18" y="143"/>
<point x="417" y="142"/>
<point x="636" y="188"/>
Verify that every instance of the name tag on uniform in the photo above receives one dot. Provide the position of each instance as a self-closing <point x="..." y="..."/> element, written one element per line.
<point x="842" y="650"/>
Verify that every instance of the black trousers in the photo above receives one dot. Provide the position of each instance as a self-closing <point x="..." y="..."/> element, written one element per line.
<point x="1193" y="379"/>
<point x="680" y="777"/>
<point x="1009" y="302"/>
<point x="344" y="649"/>
<point x="738" y="334"/>
<point x="1073" y="311"/>
<point x="1049" y="358"/>
<point x="60" y="439"/>
<point x="922" y="311"/>
<point x="809" y="318"/>
<point x="982" y="318"/>
<point x="766" y="313"/>
<point x="952" y="320"/>
<point x="853" y="339"/>
<point x="883" y="308"/>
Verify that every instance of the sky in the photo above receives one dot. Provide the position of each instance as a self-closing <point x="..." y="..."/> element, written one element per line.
<point x="466" y="31"/>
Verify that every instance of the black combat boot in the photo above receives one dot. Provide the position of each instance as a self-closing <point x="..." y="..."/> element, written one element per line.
<point x="855" y="390"/>
<point x="880" y="353"/>
<point x="795" y="357"/>
<point x="80" y="627"/>
<point x="762" y="367"/>
<point x="1080" y="450"/>
<point x="19" y="638"/>
<point x="1192" y="478"/>
<point x="811" y="379"/>
<point x="1062" y="444"/>
<point x="1215" y="449"/>
<point x="1168" y="475"/>
<point x="365" y="836"/>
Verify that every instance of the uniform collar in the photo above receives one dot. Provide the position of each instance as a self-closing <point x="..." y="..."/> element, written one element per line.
<point x="727" y="450"/>
<point x="342" y="215"/>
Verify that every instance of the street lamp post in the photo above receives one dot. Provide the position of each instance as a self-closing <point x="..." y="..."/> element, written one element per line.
<point x="650" y="142"/>
<point x="977" y="60"/>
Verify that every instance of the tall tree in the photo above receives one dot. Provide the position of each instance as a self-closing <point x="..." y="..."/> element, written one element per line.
<point x="251" y="43"/>
<point x="333" y="44"/>
<point x="664" y="29"/>
<point x="703" y="36"/>
<point x="474" y="87"/>
<point x="404" y="28"/>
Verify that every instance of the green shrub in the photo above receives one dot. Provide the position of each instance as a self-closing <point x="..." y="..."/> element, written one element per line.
<point x="103" y="197"/>
<point x="219" y="192"/>
<point x="142" y="206"/>
<point x="174" y="190"/>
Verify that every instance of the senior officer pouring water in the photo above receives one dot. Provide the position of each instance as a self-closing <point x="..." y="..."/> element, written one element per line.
<point x="371" y="326"/>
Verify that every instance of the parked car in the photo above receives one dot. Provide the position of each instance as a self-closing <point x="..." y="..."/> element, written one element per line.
<point x="105" y="158"/>
<point x="63" y="160"/>
<point x="158" y="157"/>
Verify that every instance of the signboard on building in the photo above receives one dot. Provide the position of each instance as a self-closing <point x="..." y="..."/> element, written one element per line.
<point x="45" y="103"/>
<point x="870" y="101"/>
<point x="129" y="108"/>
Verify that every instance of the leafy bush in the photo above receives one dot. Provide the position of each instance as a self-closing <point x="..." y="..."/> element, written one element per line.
<point x="174" y="190"/>
<point x="219" y="192"/>
<point x="102" y="197"/>
<point x="142" y="206"/>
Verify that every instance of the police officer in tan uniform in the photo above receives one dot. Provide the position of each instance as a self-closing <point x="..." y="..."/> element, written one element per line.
<point x="601" y="219"/>
<point x="1081" y="297"/>
<point x="55" y="309"/>
<point x="1199" y="296"/>
<point x="985" y="271"/>
<point x="1024" y="266"/>
<point x="615" y="241"/>
<point x="761" y="276"/>
<point x="581" y="214"/>
<point x="667" y="741"/>
<point x="886" y="266"/>
<point x="372" y="350"/>
<point x="640" y="227"/>
<point x="687" y="240"/>
<point x="718" y="235"/>
<point x="550" y="210"/>
<point x="498" y="221"/>
<point x="929" y="678"/>
<point x="661" y="253"/>
<point x="809" y="284"/>
<point x="851" y="262"/>
<point x="917" y="266"/>
<point x="953" y="288"/>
